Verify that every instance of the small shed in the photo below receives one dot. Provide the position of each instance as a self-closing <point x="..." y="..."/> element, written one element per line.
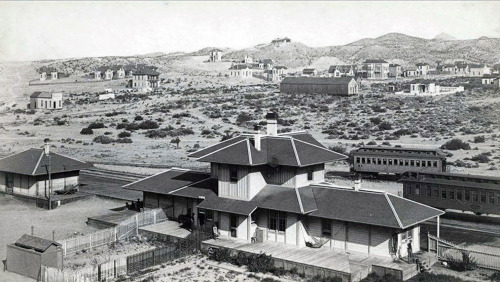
<point x="27" y="255"/>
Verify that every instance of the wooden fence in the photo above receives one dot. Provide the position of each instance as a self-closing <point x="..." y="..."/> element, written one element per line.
<point x="447" y="250"/>
<point x="102" y="272"/>
<point x="128" y="227"/>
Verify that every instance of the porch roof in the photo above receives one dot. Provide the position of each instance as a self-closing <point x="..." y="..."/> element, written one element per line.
<point x="213" y="202"/>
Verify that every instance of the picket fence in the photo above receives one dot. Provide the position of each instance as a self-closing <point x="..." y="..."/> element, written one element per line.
<point x="447" y="250"/>
<point x="102" y="272"/>
<point x="126" y="228"/>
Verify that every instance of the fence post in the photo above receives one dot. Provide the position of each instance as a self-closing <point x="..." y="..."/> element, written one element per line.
<point x="136" y="224"/>
<point x="428" y="242"/>
<point x="90" y="242"/>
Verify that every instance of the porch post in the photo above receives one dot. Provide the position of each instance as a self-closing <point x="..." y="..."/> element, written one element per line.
<point x="437" y="237"/>
<point x="249" y="225"/>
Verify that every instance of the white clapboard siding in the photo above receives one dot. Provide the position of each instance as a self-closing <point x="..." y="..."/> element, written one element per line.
<point x="224" y="224"/>
<point x="380" y="243"/>
<point x="358" y="237"/>
<point x="241" y="230"/>
<point x="180" y="206"/>
<point x="291" y="229"/>
<point x="338" y="234"/>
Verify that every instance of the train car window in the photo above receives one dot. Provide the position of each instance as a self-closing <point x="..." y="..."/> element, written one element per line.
<point x="429" y="163"/>
<point x="384" y="161"/>
<point x="363" y="160"/>
<point x="443" y="194"/>
<point x="418" y="163"/>
<point x="374" y="160"/>
<point x="429" y="191"/>
<point x="368" y="160"/>
<point x="467" y="195"/>
<point x="407" y="162"/>
<point x="390" y="161"/>
<point x="401" y="162"/>
<point x="357" y="160"/>
<point x="483" y="196"/>
<point x="435" y="163"/>
<point x="474" y="196"/>
<point x="395" y="161"/>
<point x="412" y="163"/>
<point x="498" y="199"/>
<point x="423" y="163"/>
<point x="491" y="198"/>
<point x="379" y="161"/>
<point x="451" y="194"/>
<point x="459" y="195"/>
<point x="417" y="190"/>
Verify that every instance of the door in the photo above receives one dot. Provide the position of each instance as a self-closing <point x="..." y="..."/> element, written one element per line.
<point x="9" y="183"/>
<point x="233" y="224"/>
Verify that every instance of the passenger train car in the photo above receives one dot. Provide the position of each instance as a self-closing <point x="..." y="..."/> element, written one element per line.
<point x="392" y="160"/>
<point x="464" y="192"/>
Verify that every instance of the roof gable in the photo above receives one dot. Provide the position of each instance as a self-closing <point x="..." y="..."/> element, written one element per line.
<point x="35" y="243"/>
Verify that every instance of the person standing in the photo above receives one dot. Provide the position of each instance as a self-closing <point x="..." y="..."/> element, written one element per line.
<point x="410" y="251"/>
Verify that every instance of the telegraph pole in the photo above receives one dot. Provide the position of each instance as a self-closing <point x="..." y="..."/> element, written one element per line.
<point x="47" y="153"/>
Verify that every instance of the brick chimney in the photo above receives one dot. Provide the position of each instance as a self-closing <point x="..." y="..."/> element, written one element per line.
<point x="272" y="123"/>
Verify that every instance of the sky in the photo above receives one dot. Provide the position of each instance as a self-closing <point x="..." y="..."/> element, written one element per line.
<point x="51" y="30"/>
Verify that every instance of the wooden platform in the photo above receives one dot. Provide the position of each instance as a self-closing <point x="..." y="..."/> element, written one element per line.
<point x="351" y="266"/>
<point x="111" y="219"/>
<point x="167" y="228"/>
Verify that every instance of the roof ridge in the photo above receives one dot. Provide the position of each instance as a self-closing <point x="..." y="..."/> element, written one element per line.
<point x="18" y="153"/>
<point x="323" y="148"/>
<point x="393" y="210"/>
<point x="38" y="163"/>
<point x="190" y="184"/>
<point x="225" y="141"/>
<point x="223" y="148"/>
<point x="295" y="151"/>
<point x="249" y="152"/>
<point x="142" y="179"/>
<point x="299" y="199"/>
<point x="390" y="194"/>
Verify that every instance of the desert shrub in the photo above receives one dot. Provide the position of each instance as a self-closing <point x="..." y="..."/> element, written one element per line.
<point x="375" y="120"/>
<point x="479" y="139"/>
<point x="148" y="124"/>
<point x="138" y="118"/>
<point x="267" y="279"/>
<point x="456" y="144"/>
<point x="378" y="109"/>
<point x="260" y="263"/>
<point x="87" y="131"/>
<point x="466" y="263"/>
<point x="495" y="276"/>
<point x="123" y="140"/>
<point x="339" y="149"/>
<point x="103" y="139"/>
<point x="108" y="133"/>
<point x="279" y="271"/>
<point x="319" y="278"/>
<point x="481" y="158"/>
<point x="220" y="255"/>
<point x="176" y="141"/>
<point x="61" y="122"/>
<point x="371" y="143"/>
<point x="124" y="134"/>
<point x="243" y="117"/>
<point x="96" y="125"/>
<point x="401" y="132"/>
<point x="385" y="126"/>
<point x="240" y="259"/>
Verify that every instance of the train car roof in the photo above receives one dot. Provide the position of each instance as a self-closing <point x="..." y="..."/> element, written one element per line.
<point x="399" y="151"/>
<point x="457" y="180"/>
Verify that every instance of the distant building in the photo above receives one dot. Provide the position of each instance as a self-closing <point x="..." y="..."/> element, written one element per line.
<point x="429" y="87"/>
<point x="422" y="69"/>
<point x="45" y="100"/>
<point x="478" y="70"/>
<point x="248" y="60"/>
<point x="376" y="69"/>
<point x="342" y="70"/>
<point x="107" y="96"/>
<point x="395" y="70"/>
<point x="276" y="74"/>
<point x="215" y="55"/>
<point x="26" y="173"/>
<point x="49" y="72"/>
<point x="266" y="64"/>
<point x="145" y="79"/>
<point x="241" y="71"/>
<point x="410" y="72"/>
<point x="489" y="78"/>
<point x="342" y="86"/>
<point x="309" y="72"/>
<point x="281" y="40"/>
<point x="495" y="69"/>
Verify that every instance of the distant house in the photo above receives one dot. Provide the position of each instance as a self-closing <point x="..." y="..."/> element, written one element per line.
<point x="410" y="72"/>
<point x="495" y="69"/>
<point x="107" y="96"/>
<point x="281" y="40"/>
<point x="309" y="72"/>
<point x="49" y="72"/>
<point x="341" y="86"/>
<point x="26" y="173"/>
<point x="119" y="72"/>
<point x="248" y="60"/>
<point x="422" y="69"/>
<point x="430" y="87"/>
<point x="376" y="69"/>
<point x="241" y="71"/>
<point x="46" y="100"/>
<point x="478" y="70"/>
<point x="489" y="78"/>
<point x="461" y="68"/>
<point x="276" y="74"/>
<point x="27" y="255"/>
<point x="145" y="79"/>
<point x="342" y="70"/>
<point x="395" y="70"/>
<point x="266" y="64"/>
<point x="215" y="55"/>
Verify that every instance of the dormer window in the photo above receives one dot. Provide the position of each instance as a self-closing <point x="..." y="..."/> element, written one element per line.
<point x="233" y="174"/>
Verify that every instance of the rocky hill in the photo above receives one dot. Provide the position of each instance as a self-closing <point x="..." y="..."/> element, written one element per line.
<point x="393" y="47"/>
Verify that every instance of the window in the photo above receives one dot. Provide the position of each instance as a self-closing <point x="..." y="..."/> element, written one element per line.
<point x="417" y="163"/>
<point x="9" y="180"/>
<point x="451" y="194"/>
<point x="209" y="215"/>
<point x="401" y="162"/>
<point x="474" y="196"/>
<point x="374" y="161"/>
<point x="384" y="161"/>
<point x="498" y="199"/>
<point x="459" y="195"/>
<point x="417" y="190"/>
<point x="233" y="224"/>
<point x="407" y="163"/>
<point x="483" y="196"/>
<point x="412" y="163"/>
<point x="436" y="192"/>
<point x="435" y="164"/>
<point x="443" y="194"/>
<point x="423" y="163"/>
<point x="379" y="161"/>
<point x="363" y="160"/>
<point x="395" y="161"/>
<point x="368" y="160"/>
<point x="429" y="191"/>
<point x="358" y="160"/>
<point x="310" y="174"/>
<point x="326" y="227"/>
<point x="233" y="174"/>
<point x="277" y="221"/>
<point x="407" y="189"/>
<point x="491" y="198"/>
<point x="467" y="195"/>
<point x="429" y="163"/>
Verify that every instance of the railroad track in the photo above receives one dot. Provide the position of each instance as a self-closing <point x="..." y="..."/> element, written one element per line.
<point x="112" y="174"/>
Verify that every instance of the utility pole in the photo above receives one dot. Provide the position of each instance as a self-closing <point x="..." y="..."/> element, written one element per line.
<point x="47" y="153"/>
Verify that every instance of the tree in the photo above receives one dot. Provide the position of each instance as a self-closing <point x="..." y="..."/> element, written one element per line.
<point x="176" y="141"/>
<point x="456" y="144"/>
